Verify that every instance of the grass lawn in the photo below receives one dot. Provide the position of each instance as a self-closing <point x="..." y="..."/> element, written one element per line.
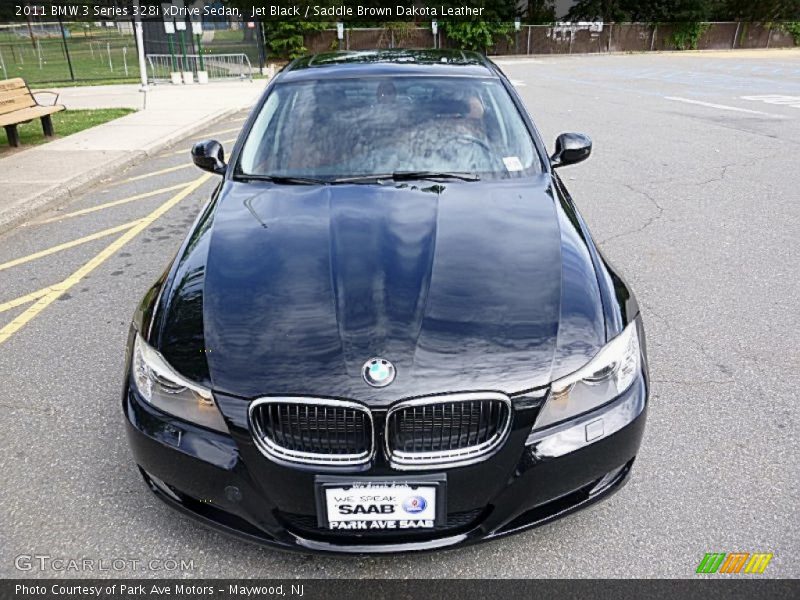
<point x="64" y="123"/>
<point x="107" y="57"/>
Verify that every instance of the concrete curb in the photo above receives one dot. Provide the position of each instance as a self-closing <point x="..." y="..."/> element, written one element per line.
<point x="48" y="197"/>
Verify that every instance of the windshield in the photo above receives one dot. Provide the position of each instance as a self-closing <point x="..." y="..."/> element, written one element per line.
<point x="351" y="128"/>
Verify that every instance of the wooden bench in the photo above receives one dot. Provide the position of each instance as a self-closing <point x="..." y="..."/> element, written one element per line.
<point x="18" y="105"/>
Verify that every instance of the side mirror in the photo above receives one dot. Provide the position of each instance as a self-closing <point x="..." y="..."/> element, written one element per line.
<point x="209" y="156"/>
<point x="571" y="148"/>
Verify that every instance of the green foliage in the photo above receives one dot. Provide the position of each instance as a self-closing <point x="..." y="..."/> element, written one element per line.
<point x="758" y="11"/>
<point x="497" y="11"/>
<point x="285" y="39"/>
<point x="603" y="10"/>
<point x="793" y="29"/>
<point x="476" y="35"/>
<point x="684" y="11"/>
<point x="539" y="12"/>
<point x="686" y="35"/>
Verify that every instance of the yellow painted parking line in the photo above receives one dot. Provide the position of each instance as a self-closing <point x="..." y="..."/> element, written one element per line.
<point x="186" y="151"/>
<point x="67" y="245"/>
<point x="111" y="204"/>
<point x="221" y="131"/>
<point x="61" y="288"/>
<point x="26" y="299"/>
<point x="154" y="173"/>
<point x="208" y="136"/>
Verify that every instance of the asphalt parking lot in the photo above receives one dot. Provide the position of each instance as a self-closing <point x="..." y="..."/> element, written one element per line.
<point x="692" y="191"/>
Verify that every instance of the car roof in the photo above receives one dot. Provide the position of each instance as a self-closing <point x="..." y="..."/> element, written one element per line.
<point x="368" y="63"/>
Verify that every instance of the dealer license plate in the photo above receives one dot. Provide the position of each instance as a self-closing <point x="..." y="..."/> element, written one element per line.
<point x="372" y="506"/>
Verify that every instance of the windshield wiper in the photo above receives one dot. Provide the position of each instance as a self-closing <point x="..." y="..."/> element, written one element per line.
<point x="406" y="175"/>
<point x="396" y="176"/>
<point x="410" y="175"/>
<point x="283" y="180"/>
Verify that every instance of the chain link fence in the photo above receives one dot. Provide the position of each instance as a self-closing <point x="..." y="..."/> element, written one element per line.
<point x="369" y="38"/>
<point x="564" y="38"/>
<point x="56" y="52"/>
<point x="62" y="53"/>
<point x="105" y="52"/>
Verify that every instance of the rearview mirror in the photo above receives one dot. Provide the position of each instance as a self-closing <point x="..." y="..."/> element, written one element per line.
<point x="209" y="156"/>
<point x="571" y="148"/>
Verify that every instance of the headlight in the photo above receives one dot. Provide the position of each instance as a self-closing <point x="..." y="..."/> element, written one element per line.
<point x="161" y="386"/>
<point x="606" y="376"/>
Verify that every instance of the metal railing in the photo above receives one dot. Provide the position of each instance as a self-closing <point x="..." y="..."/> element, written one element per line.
<point x="218" y="66"/>
<point x="590" y="38"/>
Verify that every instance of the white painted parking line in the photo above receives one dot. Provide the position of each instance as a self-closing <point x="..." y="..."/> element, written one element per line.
<point x="793" y="101"/>
<point x="722" y="107"/>
<point x="518" y="83"/>
<point x="519" y="61"/>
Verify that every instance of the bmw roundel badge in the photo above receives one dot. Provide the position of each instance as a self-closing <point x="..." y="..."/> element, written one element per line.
<point x="378" y="372"/>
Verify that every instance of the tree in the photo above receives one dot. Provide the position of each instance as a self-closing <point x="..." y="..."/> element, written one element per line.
<point x="685" y="11"/>
<point x="762" y="11"/>
<point x="599" y="10"/>
<point x="540" y="11"/>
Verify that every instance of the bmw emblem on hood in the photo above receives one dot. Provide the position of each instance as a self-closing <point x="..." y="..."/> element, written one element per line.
<point x="378" y="372"/>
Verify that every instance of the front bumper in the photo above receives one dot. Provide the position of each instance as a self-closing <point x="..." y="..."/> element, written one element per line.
<point x="225" y="482"/>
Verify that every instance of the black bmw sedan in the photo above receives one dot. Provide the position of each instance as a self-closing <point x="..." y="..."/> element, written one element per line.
<point x="389" y="328"/>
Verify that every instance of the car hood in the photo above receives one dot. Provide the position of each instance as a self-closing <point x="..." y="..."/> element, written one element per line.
<point x="462" y="286"/>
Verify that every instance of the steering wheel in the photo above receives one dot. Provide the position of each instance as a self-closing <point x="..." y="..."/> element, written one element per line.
<point x="471" y="139"/>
